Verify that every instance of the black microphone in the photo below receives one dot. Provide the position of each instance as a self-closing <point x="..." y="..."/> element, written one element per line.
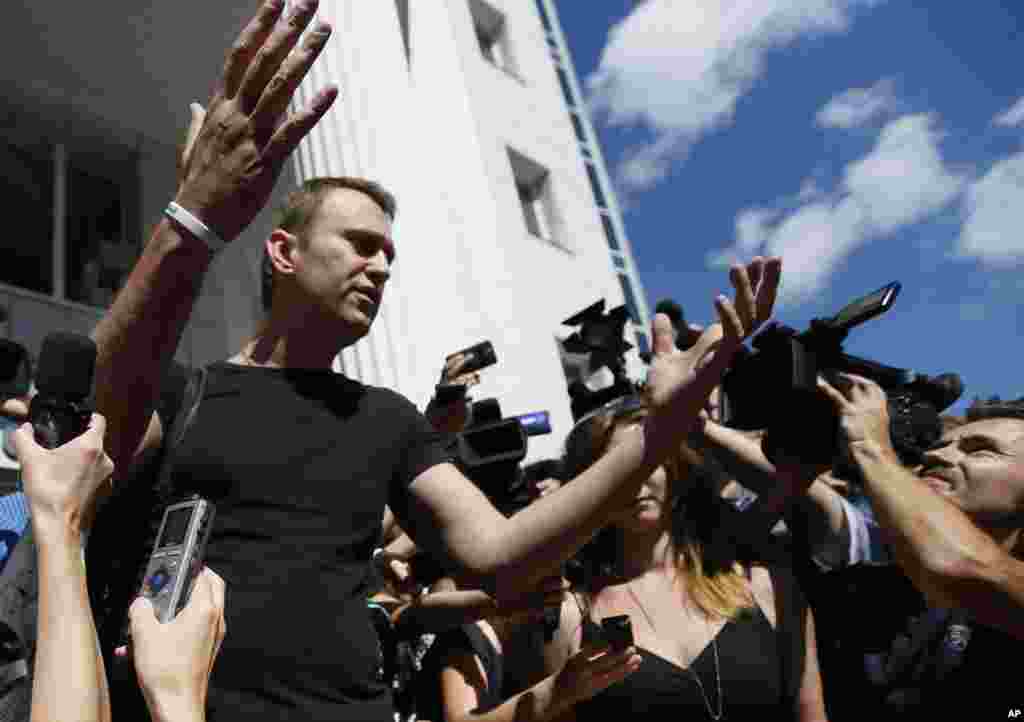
<point x="59" y="411"/>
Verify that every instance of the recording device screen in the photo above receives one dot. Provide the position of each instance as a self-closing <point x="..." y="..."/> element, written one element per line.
<point x="864" y="308"/>
<point x="176" y="527"/>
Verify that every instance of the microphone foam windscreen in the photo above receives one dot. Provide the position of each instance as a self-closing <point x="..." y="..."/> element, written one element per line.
<point x="66" y="365"/>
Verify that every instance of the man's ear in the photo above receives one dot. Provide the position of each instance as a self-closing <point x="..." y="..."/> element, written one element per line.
<point x="281" y="247"/>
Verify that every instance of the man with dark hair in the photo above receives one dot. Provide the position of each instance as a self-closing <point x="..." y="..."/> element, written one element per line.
<point x="954" y="528"/>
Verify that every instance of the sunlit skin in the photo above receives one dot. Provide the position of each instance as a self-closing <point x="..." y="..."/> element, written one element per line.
<point x="328" y="283"/>
<point x="979" y="467"/>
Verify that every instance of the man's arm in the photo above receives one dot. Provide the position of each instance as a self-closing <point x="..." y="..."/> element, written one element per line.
<point x="949" y="559"/>
<point x="452" y="519"/>
<point x="226" y="178"/>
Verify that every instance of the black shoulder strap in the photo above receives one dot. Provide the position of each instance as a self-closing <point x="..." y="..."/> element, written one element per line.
<point x="182" y="421"/>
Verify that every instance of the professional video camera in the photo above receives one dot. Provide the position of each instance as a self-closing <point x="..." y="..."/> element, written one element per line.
<point x="490" y="449"/>
<point x="775" y="387"/>
<point x="600" y="342"/>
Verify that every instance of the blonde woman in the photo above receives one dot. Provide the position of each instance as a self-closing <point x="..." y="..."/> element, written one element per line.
<point x="720" y="636"/>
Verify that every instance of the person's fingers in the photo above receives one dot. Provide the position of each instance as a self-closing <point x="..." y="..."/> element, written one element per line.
<point x="292" y="131"/>
<point x="837" y="397"/>
<point x="25" y="446"/>
<point x="768" y="289"/>
<point x="609" y="662"/>
<point x="277" y="93"/>
<point x="745" y="306"/>
<point x="755" y="272"/>
<point x="733" y="327"/>
<point x="616" y="674"/>
<point x="663" y="334"/>
<point x="198" y="114"/>
<point x="141" y="616"/>
<point x="248" y="44"/>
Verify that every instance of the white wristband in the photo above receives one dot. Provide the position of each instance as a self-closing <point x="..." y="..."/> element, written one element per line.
<point x="195" y="227"/>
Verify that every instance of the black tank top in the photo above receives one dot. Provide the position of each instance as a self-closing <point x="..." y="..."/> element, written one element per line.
<point x="755" y="671"/>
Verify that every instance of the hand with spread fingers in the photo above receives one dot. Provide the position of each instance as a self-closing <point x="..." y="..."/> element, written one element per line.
<point x="679" y="383"/>
<point x="863" y="411"/>
<point x="229" y="165"/>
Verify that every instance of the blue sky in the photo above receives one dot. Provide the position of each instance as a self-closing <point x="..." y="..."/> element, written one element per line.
<point x="865" y="141"/>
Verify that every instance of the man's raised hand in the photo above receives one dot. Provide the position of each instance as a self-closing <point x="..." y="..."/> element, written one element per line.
<point x="237" y="155"/>
<point x="679" y="382"/>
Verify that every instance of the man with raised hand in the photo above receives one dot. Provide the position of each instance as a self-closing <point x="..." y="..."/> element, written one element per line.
<point x="300" y="499"/>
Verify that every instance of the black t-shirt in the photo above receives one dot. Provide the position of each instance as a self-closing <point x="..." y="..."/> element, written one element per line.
<point x="300" y="464"/>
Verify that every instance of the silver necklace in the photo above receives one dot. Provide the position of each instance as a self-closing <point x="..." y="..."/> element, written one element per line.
<point x="689" y="668"/>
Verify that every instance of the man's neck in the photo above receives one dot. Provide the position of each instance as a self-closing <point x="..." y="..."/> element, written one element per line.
<point x="300" y="343"/>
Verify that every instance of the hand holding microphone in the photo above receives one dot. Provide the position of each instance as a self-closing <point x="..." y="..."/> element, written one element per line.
<point x="63" y="463"/>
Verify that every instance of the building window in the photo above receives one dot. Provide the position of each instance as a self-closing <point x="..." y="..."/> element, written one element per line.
<point x="563" y="80"/>
<point x="609" y="232"/>
<point x="631" y="304"/>
<point x="595" y="184"/>
<point x="532" y="186"/>
<point x="74" y="205"/>
<point x="98" y="252"/>
<point x="492" y="35"/>
<point x="26" y="197"/>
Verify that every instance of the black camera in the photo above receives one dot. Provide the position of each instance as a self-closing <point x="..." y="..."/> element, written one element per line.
<point x="490" y="449"/>
<point x="618" y="632"/>
<point x="775" y="388"/>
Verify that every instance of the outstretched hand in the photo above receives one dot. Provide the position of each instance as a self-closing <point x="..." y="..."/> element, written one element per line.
<point x="232" y="161"/>
<point x="680" y="382"/>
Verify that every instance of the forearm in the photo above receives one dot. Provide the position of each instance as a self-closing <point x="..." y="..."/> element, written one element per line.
<point x="937" y="545"/>
<point x="440" y="611"/>
<point x="534" y="543"/>
<point x="138" y="336"/>
<point x="742" y="457"/>
<point x="539" y="703"/>
<point x="69" y="679"/>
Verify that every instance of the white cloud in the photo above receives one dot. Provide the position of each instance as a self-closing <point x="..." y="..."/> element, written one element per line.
<point x="680" y="67"/>
<point x="1012" y="116"/>
<point x="902" y="181"/>
<point x="857" y="106"/>
<point x="972" y="311"/>
<point x="993" y="229"/>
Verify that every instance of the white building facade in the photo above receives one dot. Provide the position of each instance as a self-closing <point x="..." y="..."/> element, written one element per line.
<point x="468" y="110"/>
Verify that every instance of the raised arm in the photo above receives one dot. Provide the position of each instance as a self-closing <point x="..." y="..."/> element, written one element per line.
<point x="228" y="172"/>
<point x="69" y="681"/>
<point x="450" y="517"/>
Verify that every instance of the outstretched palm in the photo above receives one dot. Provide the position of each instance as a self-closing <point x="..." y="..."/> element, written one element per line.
<point x="679" y="382"/>
<point x="231" y="163"/>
